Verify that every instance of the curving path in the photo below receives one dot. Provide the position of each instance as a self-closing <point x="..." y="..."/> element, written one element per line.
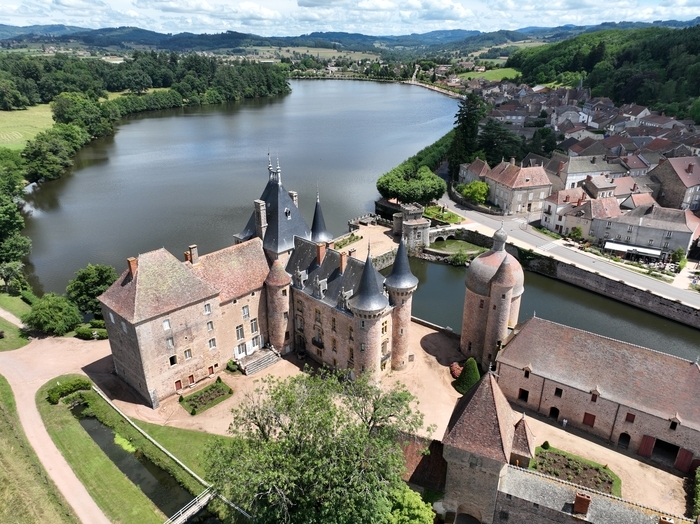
<point x="27" y="369"/>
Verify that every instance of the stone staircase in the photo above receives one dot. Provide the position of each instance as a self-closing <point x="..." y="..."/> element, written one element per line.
<point x="259" y="360"/>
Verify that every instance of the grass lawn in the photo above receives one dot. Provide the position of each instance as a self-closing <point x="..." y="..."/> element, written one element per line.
<point x="16" y="127"/>
<point x="446" y="216"/>
<point x="581" y="471"/>
<point x="114" y="493"/>
<point x="493" y="74"/>
<point x="112" y="96"/>
<point x="187" y="445"/>
<point x="13" y="339"/>
<point x="28" y="495"/>
<point x="14" y="305"/>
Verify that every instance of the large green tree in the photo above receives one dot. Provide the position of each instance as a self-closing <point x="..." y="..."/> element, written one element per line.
<point x="499" y="143"/>
<point x="464" y="145"/>
<point x="407" y="184"/>
<point x="88" y="284"/>
<point x="476" y="191"/>
<point x="315" y="448"/>
<point x="52" y="314"/>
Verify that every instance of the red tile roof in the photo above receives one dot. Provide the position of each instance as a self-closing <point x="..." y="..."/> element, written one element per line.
<point x="514" y="176"/>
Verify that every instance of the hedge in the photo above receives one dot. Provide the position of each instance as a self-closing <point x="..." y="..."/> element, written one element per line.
<point x="86" y="333"/>
<point x="696" y="499"/>
<point x="61" y="390"/>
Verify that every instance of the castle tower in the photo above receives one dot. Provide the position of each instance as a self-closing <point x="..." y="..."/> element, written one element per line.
<point x="494" y="285"/>
<point x="401" y="284"/>
<point x="277" y="287"/>
<point x="319" y="233"/>
<point x="369" y="307"/>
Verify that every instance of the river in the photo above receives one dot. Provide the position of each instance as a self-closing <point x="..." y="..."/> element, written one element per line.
<point x="178" y="177"/>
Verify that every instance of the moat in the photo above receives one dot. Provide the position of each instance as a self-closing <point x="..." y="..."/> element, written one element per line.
<point x="174" y="178"/>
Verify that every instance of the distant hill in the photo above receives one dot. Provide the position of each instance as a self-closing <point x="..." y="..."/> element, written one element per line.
<point x="11" y="31"/>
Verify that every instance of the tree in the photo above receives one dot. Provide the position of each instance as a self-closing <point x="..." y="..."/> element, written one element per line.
<point x="88" y="284"/>
<point x="12" y="172"/>
<point x="10" y="218"/>
<point x="678" y="255"/>
<point x="15" y="247"/>
<point x="409" y="508"/>
<point x="10" y="97"/>
<point x="576" y="233"/>
<point x="476" y="191"/>
<point x="315" y="447"/>
<point x="137" y="81"/>
<point x="79" y="109"/>
<point x="464" y="145"/>
<point x="498" y="142"/>
<point x="469" y="376"/>
<point x="10" y="271"/>
<point x="52" y="314"/>
<point x="407" y="185"/>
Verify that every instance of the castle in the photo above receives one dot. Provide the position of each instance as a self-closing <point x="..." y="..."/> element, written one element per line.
<point x="173" y="323"/>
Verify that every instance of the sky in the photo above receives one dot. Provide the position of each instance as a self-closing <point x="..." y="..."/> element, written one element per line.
<point x="371" y="17"/>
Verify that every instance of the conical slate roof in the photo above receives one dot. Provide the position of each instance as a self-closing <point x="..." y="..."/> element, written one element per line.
<point x="369" y="296"/>
<point x="319" y="233"/>
<point x="277" y="276"/>
<point x="401" y="276"/>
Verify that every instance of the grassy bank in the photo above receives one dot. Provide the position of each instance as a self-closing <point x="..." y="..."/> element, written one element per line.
<point x="16" y="127"/>
<point x="114" y="493"/>
<point x="28" y="494"/>
<point x="493" y="74"/>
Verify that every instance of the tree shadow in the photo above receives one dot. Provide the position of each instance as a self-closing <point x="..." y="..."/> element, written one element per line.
<point x="444" y="347"/>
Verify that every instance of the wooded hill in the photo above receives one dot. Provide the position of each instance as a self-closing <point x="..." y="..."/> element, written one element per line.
<point x="659" y="67"/>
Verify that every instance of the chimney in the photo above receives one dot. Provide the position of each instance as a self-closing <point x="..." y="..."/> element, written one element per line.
<point x="512" y="161"/>
<point x="661" y="160"/>
<point x="691" y="165"/>
<point x="567" y="198"/>
<point x="295" y="198"/>
<point x="579" y="201"/>
<point x="187" y="257"/>
<point x="589" y="177"/>
<point x="194" y="254"/>
<point x="133" y="266"/>
<point x="592" y="160"/>
<point x="666" y="520"/>
<point x="320" y="252"/>
<point x="581" y="503"/>
<point x="635" y="187"/>
<point x="330" y="245"/>
<point x="260" y="218"/>
<point x="343" y="262"/>
<point x="561" y="166"/>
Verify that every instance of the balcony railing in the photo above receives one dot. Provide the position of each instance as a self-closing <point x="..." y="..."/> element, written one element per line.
<point x="317" y="343"/>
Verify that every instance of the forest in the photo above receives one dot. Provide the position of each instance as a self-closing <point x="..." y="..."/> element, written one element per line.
<point x="657" y="67"/>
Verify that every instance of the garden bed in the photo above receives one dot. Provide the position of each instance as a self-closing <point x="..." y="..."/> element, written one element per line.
<point x="439" y="213"/>
<point x="576" y="470"/>
<point x="206" y="398"/>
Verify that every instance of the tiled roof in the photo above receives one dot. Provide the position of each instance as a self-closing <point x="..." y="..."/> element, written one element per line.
<point x="559" y="495"/>
<point x="235" y="271"/>
<point x="161" y="284"/>
<point x="622" y="372"/>
<point x="596" y="208"/>
<point x="482" y="422"/>
<point x="479" y="167"/>
<point x="514" y="176"/>
<point x="560" y="197"/>
<point x="687" y="169"/>
<point x="523" y="439"/>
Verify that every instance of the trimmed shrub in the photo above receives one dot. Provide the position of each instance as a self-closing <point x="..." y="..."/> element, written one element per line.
<point x="218" y="380"/>
<point x="59" y="391"/>
<point x="97" y="323"/>
<point x="232" y="366"/>
<point x="545" y="444"/>
<point x="469" y="376"/>
<point x="86" y="333"/>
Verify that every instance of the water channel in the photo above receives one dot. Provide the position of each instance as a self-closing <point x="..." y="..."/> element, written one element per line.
<point x="174" y="178"/>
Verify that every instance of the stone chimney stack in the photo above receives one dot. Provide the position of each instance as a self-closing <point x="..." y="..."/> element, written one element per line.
<point x="582" y="503"/>
<point x="133" y="266"/>
<point x="260" y="218"/>
<point x="320" y="252"/>
<point x="343" y="262"/>
<point x="295" y="198"/>
<point x="194" y="254"/>
<point x="666" y="520"/>
<point x="691" y="165"/>
<point x="512" y="161"/>
<point x="187" y="257"/>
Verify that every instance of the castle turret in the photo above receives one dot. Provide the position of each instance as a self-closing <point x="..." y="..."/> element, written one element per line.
<point x="277" y="286"/>
<point x="494" y="285"/>
<point x="401" y="284"/>
<point x="319" y="233"/>
<point x="369" y="307"/>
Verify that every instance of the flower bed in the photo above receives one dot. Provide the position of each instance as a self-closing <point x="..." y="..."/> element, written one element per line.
<point x="206" y="398"/>
<point x="455" y="369"/>
<point x="577" y="470"/>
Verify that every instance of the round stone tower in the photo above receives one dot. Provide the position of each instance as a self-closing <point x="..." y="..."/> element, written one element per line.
<point x="369" y="307"/>
<point x="277" y="287"/>
<point x="401" y="284"/>
<point x="491" y="302"/>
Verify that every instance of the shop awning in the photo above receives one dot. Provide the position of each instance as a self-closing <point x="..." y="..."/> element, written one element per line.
<point x="626" y="248"/>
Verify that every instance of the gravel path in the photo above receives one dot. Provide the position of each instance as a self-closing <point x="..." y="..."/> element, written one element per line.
<point x="27" y="369"/>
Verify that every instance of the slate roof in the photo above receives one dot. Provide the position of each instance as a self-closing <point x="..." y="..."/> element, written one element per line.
<point x="284" y="220"/>
<point x="319" y="233"/>
<point x="304" y="258"/>
<point x="559" y="495"/>
<point x="602" y="362"/>
<point x="369" y="296"/>
<point x="401" y="276"/>
<point x="482" y="422"/>
<point x="235" y="271"/>
<point x="161" y="284"/>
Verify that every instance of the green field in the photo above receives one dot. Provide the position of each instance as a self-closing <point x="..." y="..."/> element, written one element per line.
<point x="276" y="52"/>
<point x="119" y="498"/>
<point x="27" y="495"/>
<point x="16" y="127"/>
<point x="493" y="74"/>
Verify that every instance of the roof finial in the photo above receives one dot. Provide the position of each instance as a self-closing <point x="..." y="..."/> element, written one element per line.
<point x="279" y="170"/>
<point x="318" y="199"/>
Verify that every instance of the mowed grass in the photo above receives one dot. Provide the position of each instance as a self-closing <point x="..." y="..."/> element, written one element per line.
<point x="27" y="494"/>
<point x="114" y="493"/>
<point x="493" y="74"/>
<point x="270" y="52"/>
<point x="16" y="127"/>
<point x="14" y="305"/>
<point x="13" y="338"/>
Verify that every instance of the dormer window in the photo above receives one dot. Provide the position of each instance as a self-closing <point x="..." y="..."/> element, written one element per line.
<point x="287" y="213"/>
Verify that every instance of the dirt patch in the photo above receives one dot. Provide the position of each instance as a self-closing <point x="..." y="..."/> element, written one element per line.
<point x="573" y="470"/>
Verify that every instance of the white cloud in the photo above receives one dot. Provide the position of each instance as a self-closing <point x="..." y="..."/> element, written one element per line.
<point x="176" y="6"/>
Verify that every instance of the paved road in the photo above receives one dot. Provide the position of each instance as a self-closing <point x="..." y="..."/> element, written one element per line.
<point x="27" y="369"/>
<point x="520" y="233"/>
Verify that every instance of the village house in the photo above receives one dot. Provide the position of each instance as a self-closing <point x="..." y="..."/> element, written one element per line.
<point x="585" y="212"/>
<point x="680" y="182"/>
<point x="517" y="189"/>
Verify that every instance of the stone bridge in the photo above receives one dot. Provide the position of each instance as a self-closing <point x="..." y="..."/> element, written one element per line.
<point x="447" y="233"/>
